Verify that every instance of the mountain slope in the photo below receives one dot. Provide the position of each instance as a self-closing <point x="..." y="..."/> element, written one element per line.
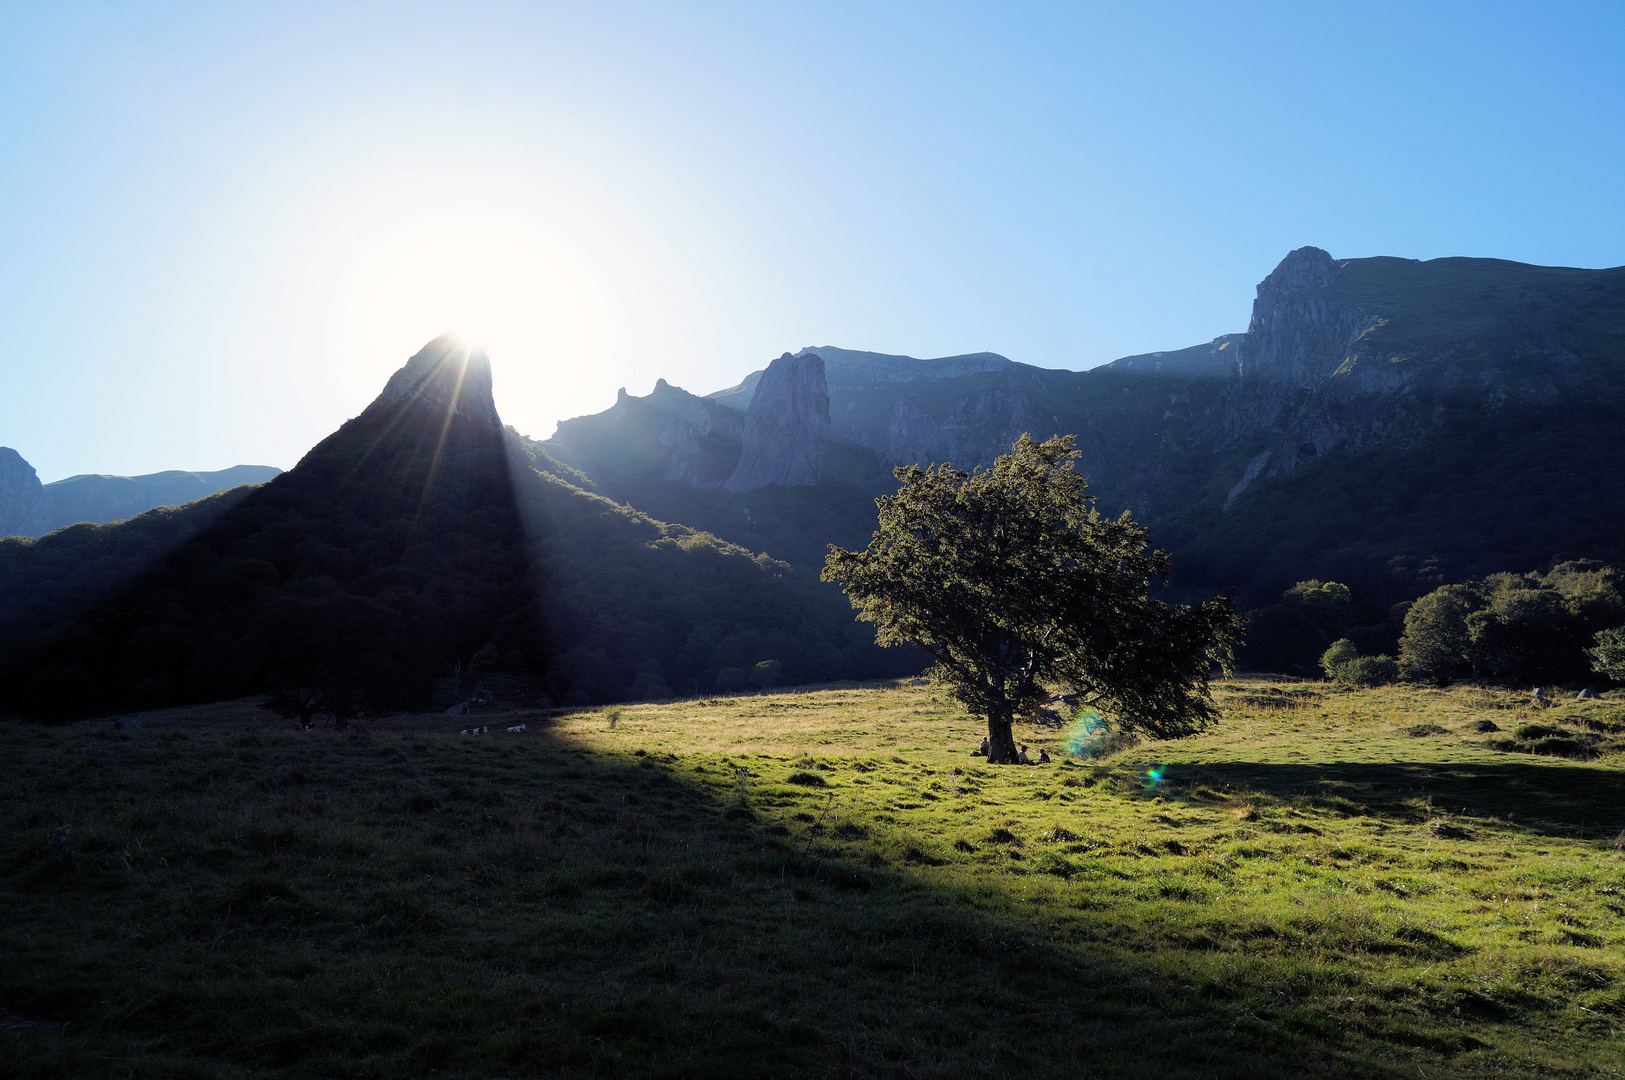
<point x="393" y="544"/>
<point x="29" y="508"/>
<point x="100" y="498"/>
<point x="1384" y="422"/>
<point x="385" y="562"/>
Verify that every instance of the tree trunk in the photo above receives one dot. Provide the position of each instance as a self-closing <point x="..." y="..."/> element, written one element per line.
<point x="1001" y="741"/>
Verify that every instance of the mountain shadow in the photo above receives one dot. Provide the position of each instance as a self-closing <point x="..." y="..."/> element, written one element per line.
<point x="418" y="543"/>
<point x="393" y="548"/>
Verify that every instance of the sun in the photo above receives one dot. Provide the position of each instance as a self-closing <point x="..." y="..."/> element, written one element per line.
<point x="502" y="287"/>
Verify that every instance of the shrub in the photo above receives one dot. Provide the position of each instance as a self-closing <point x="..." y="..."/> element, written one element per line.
<point x="1368" y="671"/>
<point x="766" y="674"/>
<point x="1607" y="653"/>
<point x="731" y="680"/>
<point x="1341" y="652"/>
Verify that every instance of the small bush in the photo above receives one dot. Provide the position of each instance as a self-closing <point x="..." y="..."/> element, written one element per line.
<point x="1333" y="659"/>
<point x="766" y="674"/>
<point x="1368" y="671"/>
<point x="1344" y="663"/>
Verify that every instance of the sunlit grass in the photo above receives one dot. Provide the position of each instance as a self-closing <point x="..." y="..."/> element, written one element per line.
<point x="817" y="883"/>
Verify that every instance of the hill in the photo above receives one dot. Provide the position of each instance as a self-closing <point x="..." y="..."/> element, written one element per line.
<point x="99" y="497"/>
<point x="816" y="884"/>
<point x="29" y="508"/>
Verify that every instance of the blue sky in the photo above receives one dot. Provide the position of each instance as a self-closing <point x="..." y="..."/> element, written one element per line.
<point x="225" y="225"/>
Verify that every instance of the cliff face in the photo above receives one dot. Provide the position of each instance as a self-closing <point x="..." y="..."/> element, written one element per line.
<point x="1371" y="408"/>
<point x="1354" y="355"/>
<point x="672" y="433"/>
<point x="25" y="510"/>
<point x="788" y="423"/>
<point x="448" y="376"/>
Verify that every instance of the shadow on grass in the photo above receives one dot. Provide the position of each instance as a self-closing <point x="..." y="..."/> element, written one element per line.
<point x="1554" y="797"/>
<point x="211" y="903"/>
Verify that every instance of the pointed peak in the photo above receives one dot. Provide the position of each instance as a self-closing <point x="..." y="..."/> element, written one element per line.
<point x="1305" y="267"/>
<point x="449" y="374"/>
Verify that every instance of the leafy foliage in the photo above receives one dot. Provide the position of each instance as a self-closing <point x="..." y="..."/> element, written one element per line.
<point x="1012" y="584"/>
<point x="1368" y="671"/>
<point x="1520" y="627"/>
<point x="1607" y="653"/>
<point x="1341" y="652"/>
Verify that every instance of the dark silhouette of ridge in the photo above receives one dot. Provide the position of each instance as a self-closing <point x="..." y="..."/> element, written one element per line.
<point x="393" y="550"/>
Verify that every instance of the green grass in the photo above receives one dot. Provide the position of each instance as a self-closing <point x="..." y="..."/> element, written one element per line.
<point x="821" y="883"/>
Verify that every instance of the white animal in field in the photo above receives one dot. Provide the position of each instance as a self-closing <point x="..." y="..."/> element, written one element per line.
<point x="517" y="727"/>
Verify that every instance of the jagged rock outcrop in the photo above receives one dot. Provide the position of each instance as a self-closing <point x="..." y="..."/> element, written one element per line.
<point x="788" y="425"/>
<point x="448" y="375"/>
<point x="686" y="438"/>
<point x="856" y="370"/>
<point x="25" y="510"/>
<point x="1352" y="355"/>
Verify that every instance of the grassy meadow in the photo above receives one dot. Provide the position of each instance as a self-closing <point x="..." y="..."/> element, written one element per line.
<point x="818" y="883"/>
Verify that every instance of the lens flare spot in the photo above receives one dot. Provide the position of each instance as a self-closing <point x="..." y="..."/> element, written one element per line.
<point x="1086" y="732"/>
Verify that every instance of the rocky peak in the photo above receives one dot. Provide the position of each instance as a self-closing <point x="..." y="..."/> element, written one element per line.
<point x="1299" y="331"/>
<point x="25" y="509"/>
<point x="788" y="423"/>
<point x="448" y="375"/>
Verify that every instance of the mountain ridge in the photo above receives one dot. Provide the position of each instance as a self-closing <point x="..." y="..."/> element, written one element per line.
<point x="1364" y="373"/>
<point x="31" y="508"/>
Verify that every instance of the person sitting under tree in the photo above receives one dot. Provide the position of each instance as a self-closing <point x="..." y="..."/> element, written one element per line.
<point x="1022" y="758"/>
<point x="1043" y="756"/>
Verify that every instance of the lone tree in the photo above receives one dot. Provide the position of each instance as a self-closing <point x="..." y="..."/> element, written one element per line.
<point x="1011" y="581"/>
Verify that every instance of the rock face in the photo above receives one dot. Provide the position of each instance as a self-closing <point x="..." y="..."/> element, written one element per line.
<point x="688" y="439"/>
<point x="689" y="431"/>
<point x="25" y="510"/>
<point x="788" y="425"/>
<point x="448" y="375"/>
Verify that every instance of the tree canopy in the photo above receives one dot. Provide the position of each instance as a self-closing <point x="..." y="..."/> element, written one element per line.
<point x="1517" y="627"/>
<point x="1008" y="578"/>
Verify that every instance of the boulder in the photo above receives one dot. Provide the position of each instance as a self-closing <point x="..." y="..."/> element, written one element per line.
<point x="788" y="423"/>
